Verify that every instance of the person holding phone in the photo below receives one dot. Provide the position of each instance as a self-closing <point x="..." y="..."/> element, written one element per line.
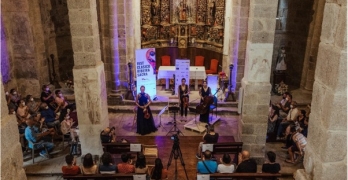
<point x="71" y="167"/>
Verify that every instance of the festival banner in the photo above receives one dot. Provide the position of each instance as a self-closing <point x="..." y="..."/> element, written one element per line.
<point x="145" y="68"/>
<point x="182" y="70"/>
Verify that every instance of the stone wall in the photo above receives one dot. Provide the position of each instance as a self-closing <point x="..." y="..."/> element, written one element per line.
<point x="295" y="17"/>
<point x="11" y="151"/>
<point x="326" y="151"/>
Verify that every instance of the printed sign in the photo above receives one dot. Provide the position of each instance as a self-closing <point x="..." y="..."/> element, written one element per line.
<point x="145" y="68"/>
<point x="182" y="70"/>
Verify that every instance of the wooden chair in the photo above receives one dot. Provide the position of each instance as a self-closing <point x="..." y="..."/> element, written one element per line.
<point x="199" y="61"/>
<point x="214" y="63"/>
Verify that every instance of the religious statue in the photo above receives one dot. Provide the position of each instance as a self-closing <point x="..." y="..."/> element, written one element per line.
<point x="182" y="11"/>
<point x="281" y="66"/>
<point x="154" y="8"/>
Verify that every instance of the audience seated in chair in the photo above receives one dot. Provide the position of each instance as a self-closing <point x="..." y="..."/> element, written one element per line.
<point x="226" y="165"/>
<point x="272" y="118"/>
<point x="303" y="122"/>
<point x="299" y="144"/>
<point x="108" y="135"/>
<point x="22" y="111"/>
<point x="67" y="127"/>
<point x="284" y="105"/>
<point x="33" y="106"/>
<point x="50" y="116"/>
<point x="47" y="96"/>
<point x="271" y="166"/>
<point x="140" y="165"/>
<point x="33" y="135"/>
<point x="88" y="165"/>
<point x="63" y="105"/>
<point x="207" y="166"/>
<point x="126" y="165"/>
<point x="107" y="167"/>
<point x="13" y="100"/>
<point x="71" y="167"/>
<point x="210" y="137"/>
<point x="290" y="119"/>
<point x="245" y="163"/>
<point x="73" y="116"/>
<point x="158" y="172"/>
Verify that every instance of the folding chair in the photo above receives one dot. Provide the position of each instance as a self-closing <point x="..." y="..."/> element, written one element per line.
<point x="33" y="149"/>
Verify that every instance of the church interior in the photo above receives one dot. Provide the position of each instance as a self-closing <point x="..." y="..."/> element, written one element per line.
<point x="261" y="59"/>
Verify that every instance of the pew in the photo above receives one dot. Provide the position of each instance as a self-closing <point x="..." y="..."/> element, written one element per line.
<point x="228" y="147"/>
<point x="116" y="147"/>
<point x="237" y="176"/>
<point x="99" y="176"/>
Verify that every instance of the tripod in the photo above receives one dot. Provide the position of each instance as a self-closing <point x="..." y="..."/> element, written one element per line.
<point x="174" y="128"/>
<point x="176" y="152"/>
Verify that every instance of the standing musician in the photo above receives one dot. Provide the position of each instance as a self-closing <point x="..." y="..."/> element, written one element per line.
<point x="183" y="94"/>
<point x="145" y="121"/>
<point x="204" y="92"/>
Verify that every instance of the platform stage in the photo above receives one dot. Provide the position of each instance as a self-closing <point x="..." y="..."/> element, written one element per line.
<point x="196" y="125"/>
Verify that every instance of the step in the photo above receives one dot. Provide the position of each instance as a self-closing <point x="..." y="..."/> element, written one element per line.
<point x="156" y="109"/>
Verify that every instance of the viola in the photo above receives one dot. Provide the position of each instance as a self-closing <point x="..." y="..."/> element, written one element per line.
<point x="185" y="101"/>
<point x="207" y="101"/>
<point x="146" y="113"/>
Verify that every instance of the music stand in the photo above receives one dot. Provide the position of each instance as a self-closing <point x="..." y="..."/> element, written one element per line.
<point x="174" y="129"/>
<point x="160" y="117"/>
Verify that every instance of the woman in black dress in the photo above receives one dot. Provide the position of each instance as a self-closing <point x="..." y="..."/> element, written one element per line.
<point x="184" y="92"/>
<point x="145" y="125"/>
<point x="205" y="91"/>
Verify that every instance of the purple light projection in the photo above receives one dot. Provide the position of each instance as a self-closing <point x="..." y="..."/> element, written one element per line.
<point x="116" y="56"/>
<point x="5" y="60"/>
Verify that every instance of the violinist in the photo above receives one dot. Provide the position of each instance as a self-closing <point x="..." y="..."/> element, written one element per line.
<point x="145" y="122"/>
<point x="204" y="92"/>
<point x="183" y="94"/>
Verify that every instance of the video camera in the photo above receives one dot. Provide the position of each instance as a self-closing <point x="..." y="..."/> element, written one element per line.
<point x="175" y="138"/>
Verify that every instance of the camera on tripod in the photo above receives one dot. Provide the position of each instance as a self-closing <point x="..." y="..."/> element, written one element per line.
<point x="175" y="138"/>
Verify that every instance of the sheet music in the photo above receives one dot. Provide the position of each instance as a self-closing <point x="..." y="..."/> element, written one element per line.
<point x="135" y="147"/>
<point x="203" y="176"/>
<point x="207" y="147"/>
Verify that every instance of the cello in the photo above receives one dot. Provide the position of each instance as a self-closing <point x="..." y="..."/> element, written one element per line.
<point x="202" y="107"/>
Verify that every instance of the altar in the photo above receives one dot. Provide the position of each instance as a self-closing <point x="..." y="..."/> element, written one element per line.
<point x="167" y="72"/>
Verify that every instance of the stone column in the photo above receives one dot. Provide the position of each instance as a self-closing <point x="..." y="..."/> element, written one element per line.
<point x="89" y="77"/>
<point x="11" y="151"/>
<point x="256" y="85"/>
<point x="312" y="46"/>
<point x="326" y="150"/>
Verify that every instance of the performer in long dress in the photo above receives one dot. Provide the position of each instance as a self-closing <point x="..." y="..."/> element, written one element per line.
<point x="184" y="92"/>
<point x="145" y="125"/>
<point x="205" y="91"/>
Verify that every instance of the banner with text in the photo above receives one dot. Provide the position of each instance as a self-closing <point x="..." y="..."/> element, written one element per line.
<point x="182" y="70"/>
<point x="146" y="70"/>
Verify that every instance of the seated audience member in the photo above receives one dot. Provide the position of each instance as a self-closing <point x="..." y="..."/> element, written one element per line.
<point x="302" y="122"/>
<point x="107" y="167"/>
<point x="67" y="127"/>
<point x="126" y="165"/>
<point x="284" y="109"/>
<point x="226" y="166"/>
<point x="158" y="172"/>
<point x="271" y="166"/>
<point x="73" y="116"/>
<point x="108" y="135"/>
<point x="44" y="128"/>
<point x="32" y="134"/>
<point x="13" y="100"/>
<point x="71" y="167"/>
<point x="290" y="119"/>
<point x="88" y="165"/>
<point x="140" y="164"/>
<point x="33" y="106"/>
<point x="62" y="103"/>
<point x="50" y="116"/>
<point x="47" y="97"/>
<point x="207" y="166"/>
<point x="23" y="110"/>
<point x="272" y="118"/>
<point x="299" y="144"/>
<point x="245" y="163"/>
<point x="210" y="137"/>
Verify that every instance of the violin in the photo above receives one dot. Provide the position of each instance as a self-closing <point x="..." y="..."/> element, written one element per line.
<point x="185" y="101"/>
<point x="146" y="113"/>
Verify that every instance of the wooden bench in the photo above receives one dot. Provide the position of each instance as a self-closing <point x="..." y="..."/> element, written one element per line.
<point x="236" y="176"/>
<point x="116" y="147"/>
<point x="228" y="147"/>
<point x="99" y="176"/>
